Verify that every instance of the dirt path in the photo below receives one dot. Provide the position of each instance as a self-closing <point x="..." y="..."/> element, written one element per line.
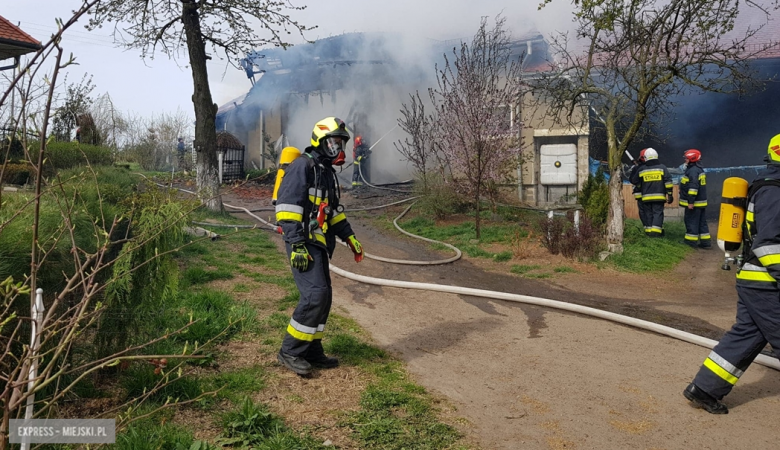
<point x="527" y="377"/>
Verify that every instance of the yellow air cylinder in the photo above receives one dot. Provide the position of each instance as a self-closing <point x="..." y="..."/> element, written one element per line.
<point x="288" y="155"/>
<point x="732" y="214"/>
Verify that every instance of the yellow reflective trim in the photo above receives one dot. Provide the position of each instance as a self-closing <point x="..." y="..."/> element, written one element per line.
<point x="284" y="215"/>
<point x="669" y="185"/>
<point x="683" y="203"/>
<point x="684" y="180"/>
<point x="318" y="335"/>
<point x="720" y="371"/>
<point x="650" y="197"/>
<point x="750" y="275"/>
<point x="318" y="237"/>
<point x="750" y="217"/>
<point x="315" y="200"/>
<point x="301" y="336"/>
<point x="339" y="217"/>
<point x="768" y="260"/>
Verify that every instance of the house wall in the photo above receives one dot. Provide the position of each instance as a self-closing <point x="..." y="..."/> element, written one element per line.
<point x="539" y="128"/>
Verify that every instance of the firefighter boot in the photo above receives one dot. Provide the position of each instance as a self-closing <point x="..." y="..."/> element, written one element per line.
<point x="704" y="400"/>
<point x="294" y="363"/>
<point x="315" y="356"/>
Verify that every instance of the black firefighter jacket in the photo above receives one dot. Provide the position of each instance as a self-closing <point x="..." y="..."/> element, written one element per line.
<point x="693" y="187"/>
<point x="762" y="265"/>
<point x="654" y="180"/>
<point x="308" y="181"/>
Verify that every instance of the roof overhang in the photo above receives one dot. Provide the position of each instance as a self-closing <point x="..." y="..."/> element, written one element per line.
<point x="11" y="49"/>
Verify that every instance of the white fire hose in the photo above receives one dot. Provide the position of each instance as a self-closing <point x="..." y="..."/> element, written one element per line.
<point x="764" y="360"/>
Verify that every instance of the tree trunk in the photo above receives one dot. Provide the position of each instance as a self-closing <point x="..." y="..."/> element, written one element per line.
<point x="205" y="110"/>
<point x="476" y="223"/>
<point x="615" y="217"/>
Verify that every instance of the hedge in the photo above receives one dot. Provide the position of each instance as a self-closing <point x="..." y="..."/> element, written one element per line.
<point x="64" y="155"/>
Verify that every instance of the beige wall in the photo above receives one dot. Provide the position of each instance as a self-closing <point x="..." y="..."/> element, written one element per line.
<point x="538" y="125"/>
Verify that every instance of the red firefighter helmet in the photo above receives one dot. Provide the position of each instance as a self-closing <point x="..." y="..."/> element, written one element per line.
<point x="642" y="155"/>
<point x="358" y="141"/>
<point x="692" y="155"/>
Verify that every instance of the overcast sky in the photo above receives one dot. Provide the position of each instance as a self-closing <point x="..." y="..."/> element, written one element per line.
<point x="161" y="85"/>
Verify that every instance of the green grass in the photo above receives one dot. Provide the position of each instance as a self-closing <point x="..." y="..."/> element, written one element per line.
<point x="521" y="269"/>
<point x="642" y="254"/>
<point x="200" y="275"/>
<point x="464" y="236"/>
<point x="253" y="425"/>
<point x="396" y="414"/>
<point x="502" y="257"/>
<point x="564" y="269"/>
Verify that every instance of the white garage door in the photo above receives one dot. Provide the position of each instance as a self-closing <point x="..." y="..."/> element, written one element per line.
<point x="558" y="164"/>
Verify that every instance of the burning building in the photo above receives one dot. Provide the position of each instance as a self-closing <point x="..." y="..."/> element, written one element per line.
<point x="363" y="78"/>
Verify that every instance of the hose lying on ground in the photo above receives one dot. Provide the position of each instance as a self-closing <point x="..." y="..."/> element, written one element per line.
<point x="764" y="360"/>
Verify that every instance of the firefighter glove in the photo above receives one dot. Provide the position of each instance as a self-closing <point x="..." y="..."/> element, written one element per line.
<point x="670" y="199"/>
<point x="300" y="257"/>
<point x="357" y="249"/>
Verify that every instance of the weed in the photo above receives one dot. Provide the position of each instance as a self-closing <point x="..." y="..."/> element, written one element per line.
<point x="242" y="288"/>
<point x="502" y="257"/>
<point x="522" y="243"/>
<point x="252" y="425"/>
<point x="522" y="268"/>
<point x="199" y="275"/>
<point x="564" y="269"/>
<point x="153" y="437"/>
<point x="351" y="350"/>
<point x="238" y="384"/>
<point x="538" y="275"/>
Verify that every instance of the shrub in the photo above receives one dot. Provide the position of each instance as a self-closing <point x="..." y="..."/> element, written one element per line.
<point x="18" y="173"/>
<point x="551" y="230"/>
<point x="594" y="198"/>
<point x="560" y="235"/>
<point x="441" y="200"/>
<point x="65" y="155"/>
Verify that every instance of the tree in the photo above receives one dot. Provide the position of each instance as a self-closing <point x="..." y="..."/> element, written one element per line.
<point x="475" y="105"/>
<point x="420" y="148"/>
<point x="225" y="25"/>
<point x="638" y="55"/>
<point x="74" y="107"/>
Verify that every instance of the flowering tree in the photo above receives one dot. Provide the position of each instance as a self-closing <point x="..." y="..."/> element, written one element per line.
<point x="475" y="108"/>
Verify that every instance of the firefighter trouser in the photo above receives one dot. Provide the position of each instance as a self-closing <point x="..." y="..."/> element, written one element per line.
<point x="758" y="322"/>
<point x="646" y="221"/>
<point x="356" y="181"/>
<point x="696" y="229"/>
<point x="654" y="212"/>
<point x="304" y="333"/>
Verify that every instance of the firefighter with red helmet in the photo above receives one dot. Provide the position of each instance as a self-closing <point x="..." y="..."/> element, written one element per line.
<point x="655" y="184"/>
<point x="360" y="153"/>
<point x="310" y="217"/>
<point x="693" y="197"/>
<point x="758" y="306"/>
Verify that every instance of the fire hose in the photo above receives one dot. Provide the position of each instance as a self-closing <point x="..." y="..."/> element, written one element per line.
<point x="664" y="330"/>
<point x="684" y="336"/>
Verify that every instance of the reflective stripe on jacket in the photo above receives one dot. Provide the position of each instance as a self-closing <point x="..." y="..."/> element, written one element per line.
<point x="308" y="182"/>
<point x="654" y="181"/>
<point x="693" y="187"/>
<point x="762" y="267"/>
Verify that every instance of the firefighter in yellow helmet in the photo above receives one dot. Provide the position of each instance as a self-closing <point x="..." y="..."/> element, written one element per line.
<point x="310" y="217"/>
<point x="758" y="306"/>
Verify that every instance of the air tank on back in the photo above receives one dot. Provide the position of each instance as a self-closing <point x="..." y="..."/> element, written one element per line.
<point x="732" y="216"/>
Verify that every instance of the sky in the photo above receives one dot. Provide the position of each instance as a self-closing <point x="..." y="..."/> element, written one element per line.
<point x="151" y="87"/>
